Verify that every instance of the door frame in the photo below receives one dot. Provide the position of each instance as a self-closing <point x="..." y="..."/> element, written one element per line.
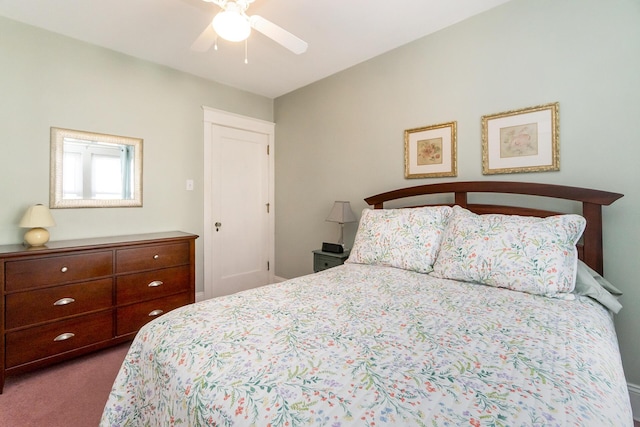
<point x="212" y="117"/>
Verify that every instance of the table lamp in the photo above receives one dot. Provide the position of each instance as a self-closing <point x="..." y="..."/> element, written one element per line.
<point x="341" y="213"/>
<point x="36" y="218"/>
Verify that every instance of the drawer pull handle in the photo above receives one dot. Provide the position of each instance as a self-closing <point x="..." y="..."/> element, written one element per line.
<point x="155" y="284"/>
<point x="156" y="313"/>
<point x="156" y="256"/>
<point x="64" y="301"/>
<point x="64" y="269"/>
<point x="65" y="336"/>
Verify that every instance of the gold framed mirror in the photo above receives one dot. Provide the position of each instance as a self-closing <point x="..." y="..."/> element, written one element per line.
<point x="94" y="170"/>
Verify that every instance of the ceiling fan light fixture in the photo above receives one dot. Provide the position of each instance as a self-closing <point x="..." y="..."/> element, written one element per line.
<point x="231" y="26"/>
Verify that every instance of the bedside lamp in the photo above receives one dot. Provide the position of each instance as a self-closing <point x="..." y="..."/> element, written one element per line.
<point x="36" y="218"/>
<point x="341" y="213"/>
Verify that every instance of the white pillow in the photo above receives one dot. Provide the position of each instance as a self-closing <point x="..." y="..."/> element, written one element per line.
<point x="527" y="254"/>
<point x="403" y="238"/>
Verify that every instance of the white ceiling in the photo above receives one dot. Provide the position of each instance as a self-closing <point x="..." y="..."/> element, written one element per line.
<point x="340" y="33"/>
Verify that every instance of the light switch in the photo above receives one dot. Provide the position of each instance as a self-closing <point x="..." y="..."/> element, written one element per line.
<point x="189" y="185"/>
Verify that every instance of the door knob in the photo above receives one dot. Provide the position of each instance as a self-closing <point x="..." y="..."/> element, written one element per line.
<point x="218" y="225"/>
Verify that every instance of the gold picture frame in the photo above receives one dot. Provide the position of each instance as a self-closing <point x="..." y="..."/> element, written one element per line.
<point x="524" y="140"/>
<point x="430" y="151"/>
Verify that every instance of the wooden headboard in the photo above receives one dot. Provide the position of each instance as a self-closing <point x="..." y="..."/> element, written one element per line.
<point x="589" y="250"/>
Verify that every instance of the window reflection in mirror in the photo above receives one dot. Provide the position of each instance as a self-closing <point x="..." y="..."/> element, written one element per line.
<point x="95" y="170"/>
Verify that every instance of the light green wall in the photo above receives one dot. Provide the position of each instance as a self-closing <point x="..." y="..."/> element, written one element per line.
<point x="50" y="80"/>
<point x="342" y="138"/>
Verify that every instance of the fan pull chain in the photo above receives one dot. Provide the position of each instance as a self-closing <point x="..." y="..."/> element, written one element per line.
<point x="215" y="46"/>
<point x="246" y="59"/>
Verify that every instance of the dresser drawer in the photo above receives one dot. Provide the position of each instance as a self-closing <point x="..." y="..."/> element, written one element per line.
<point x="151" y="257"/>
<point x="27" y="308"/>
<point x="41" y="272"/>
<point x="132" y="317"/>
<point x="152" y="284"/>
<point x="39" y="342"/>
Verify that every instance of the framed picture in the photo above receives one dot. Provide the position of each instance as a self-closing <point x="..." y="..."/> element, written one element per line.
<point x="430" y="152"/>
<point x="523" y="140"/>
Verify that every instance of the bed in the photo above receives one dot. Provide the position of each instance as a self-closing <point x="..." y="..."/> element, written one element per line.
<point x="457" y="314"/>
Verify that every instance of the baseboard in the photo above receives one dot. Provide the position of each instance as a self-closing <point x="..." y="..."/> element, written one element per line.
<point x="634" y="396"/>
<point x="200" y="295"/>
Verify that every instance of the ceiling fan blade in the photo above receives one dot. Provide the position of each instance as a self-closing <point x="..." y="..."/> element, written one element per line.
<point x="278" y="34"/>
<point x="205" y="40"/>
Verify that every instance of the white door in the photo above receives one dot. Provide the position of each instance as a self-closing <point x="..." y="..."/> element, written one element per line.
<point x="239" y="208"/>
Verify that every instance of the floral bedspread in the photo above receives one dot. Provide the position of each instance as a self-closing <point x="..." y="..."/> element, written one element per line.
<point x="360" y="345"/>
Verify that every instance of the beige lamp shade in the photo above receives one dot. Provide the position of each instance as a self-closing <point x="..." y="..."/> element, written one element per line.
<point x="341" y="213"/>
<point x="36" y="218"/>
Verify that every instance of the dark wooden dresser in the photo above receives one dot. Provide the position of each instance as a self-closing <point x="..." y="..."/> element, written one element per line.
<point x="76" y="296"/>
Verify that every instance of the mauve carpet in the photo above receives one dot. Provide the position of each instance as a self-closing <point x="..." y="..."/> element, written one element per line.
<point x="69" y="394"/>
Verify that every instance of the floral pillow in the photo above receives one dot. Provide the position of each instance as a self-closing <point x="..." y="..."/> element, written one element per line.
<point x="404" y="238"/>
<point x="528" y="254"/>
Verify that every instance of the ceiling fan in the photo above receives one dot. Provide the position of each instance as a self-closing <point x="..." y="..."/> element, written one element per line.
<point x="233" y="24"/>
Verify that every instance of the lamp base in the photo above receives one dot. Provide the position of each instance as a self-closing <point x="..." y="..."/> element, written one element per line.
<point x="36" y="236"/>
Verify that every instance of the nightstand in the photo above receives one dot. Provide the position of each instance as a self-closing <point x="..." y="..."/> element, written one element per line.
<point x="323" y="260"/>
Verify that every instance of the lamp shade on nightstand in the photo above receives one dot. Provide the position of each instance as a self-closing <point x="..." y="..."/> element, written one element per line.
<point x="36" y="218"/>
